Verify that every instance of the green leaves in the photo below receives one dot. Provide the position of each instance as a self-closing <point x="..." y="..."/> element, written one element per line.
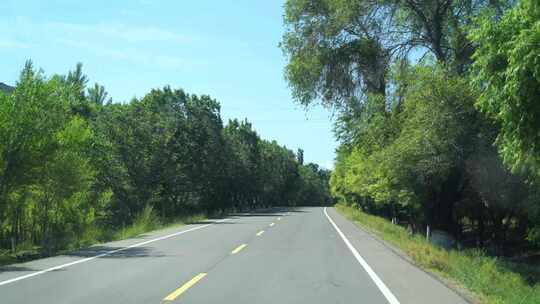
<point x="401" y="157"/>
<point x="507" y="71"/>
<point x="74" y="167"/>
<point x="407" y="88"/>
<point x="45" y="166"/>
<point x="263" y="173"/>
<point x="339" y="52"/>
<point x="330" y="54"/>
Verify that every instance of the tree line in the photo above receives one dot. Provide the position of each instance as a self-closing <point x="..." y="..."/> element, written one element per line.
<point x="437" y="110"/>
<point x="74" y="165"/>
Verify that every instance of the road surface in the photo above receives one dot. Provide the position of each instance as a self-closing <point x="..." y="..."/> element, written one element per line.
<point x="303" y="255"/>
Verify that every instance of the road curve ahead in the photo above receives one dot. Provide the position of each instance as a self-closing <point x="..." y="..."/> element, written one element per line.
<point x="301" y="255"/>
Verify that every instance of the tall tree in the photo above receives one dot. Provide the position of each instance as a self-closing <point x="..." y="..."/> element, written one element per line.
<point x="339" y="51"/>
<point x="507" y="71"/>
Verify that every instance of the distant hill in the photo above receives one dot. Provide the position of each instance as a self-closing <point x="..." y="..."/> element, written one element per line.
<point x="5" y="88"/>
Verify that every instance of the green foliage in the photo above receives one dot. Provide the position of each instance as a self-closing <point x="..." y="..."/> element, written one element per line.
<point x="414" y="146"/>
<point x="431" y="162"/>
<point x="402" y="157"/>
<point x="340" y="51"/>
<point x="147" y="220"/>
<point x="46" y="172"/>
<point x="507" y="71"/>
<point x="265" y="174"/>
<point x="329" y="57"/>
<point x="76" y="168"/>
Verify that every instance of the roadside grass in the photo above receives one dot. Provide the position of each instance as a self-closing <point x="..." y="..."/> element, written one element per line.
<point x="491" y="280"/>
<point x="145" y="222"/>
<point x="149" y="221"/>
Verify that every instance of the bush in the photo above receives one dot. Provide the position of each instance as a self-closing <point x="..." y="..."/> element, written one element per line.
<point x="146" y="221"/>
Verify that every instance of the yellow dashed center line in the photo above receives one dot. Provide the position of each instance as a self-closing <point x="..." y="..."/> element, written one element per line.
<point x="260" y="233"/>
<point x="235" y="251"/>
<point x="183" y="288"/>
<point x="272" y="224"/>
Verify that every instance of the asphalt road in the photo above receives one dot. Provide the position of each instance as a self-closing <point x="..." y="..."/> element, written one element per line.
<point x="303" y="255"/>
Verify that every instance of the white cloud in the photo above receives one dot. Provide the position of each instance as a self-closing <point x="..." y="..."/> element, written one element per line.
<point x="11" y="44"/>
<point x="127" y="33"/>
<point x="150" y="46"/>
<point x="133" y="55"/>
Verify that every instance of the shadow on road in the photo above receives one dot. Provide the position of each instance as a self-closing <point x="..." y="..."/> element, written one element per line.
<point x="137" y="252"/>
<point x="134" y="252"/>
<point x="297" y="211"/>
<point x="255" y="214"/>
<point x="270" y="212"/>
<point x="206" y="222"/>
<point x="14" y="268"/>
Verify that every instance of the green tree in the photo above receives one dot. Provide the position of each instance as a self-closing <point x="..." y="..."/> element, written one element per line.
<point x="98" y="95"/>
<point x="507" y="71"/>
<point x="47" y="175"/>
<point x="75" y="168"/>
<point x="340" y="51"/>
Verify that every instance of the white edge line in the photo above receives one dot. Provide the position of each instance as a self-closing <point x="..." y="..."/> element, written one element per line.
<point x="104" y="254"/>
<point x="380" y="284"/>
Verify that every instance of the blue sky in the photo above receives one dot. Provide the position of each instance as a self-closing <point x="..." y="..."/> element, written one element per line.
<point x="227" y="49"/>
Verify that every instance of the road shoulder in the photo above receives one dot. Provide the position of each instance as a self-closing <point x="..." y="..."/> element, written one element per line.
<point x="408" y="283"/>
<point x="17" y="271"/>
